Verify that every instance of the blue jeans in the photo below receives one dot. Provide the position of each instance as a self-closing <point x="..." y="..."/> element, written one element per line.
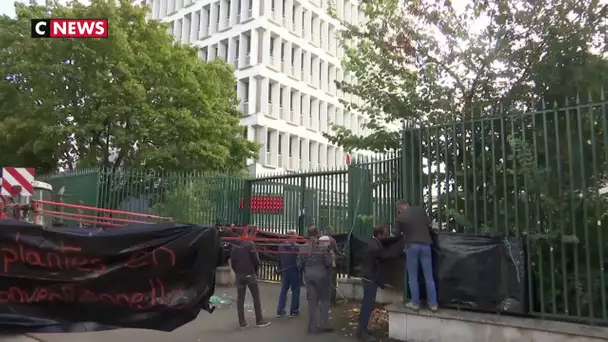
<point x="370" y="289"/>
<point x="420" y="254"/>
<point x="290" y="279"/>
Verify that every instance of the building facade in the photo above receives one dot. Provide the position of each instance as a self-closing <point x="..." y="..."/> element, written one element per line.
<point x="286" y="58"/>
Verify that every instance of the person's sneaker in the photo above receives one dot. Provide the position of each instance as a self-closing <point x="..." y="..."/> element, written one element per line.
<point x="326" y="330"/>
<point x="433" y="308"/>
<point x="294" y="315"/>
<point x="412" y="306"/>
<point x="263" y="324"/>
<point x="243" y="326"/>
<point x="281" y="315"/>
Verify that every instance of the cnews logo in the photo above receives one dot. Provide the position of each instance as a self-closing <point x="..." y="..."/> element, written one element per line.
<point x="69" y="28"/>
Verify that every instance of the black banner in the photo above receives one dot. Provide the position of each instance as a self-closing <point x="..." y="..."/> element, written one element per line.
<point x="147" y="276"/>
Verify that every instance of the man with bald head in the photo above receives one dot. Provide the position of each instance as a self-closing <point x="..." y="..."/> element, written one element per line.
<point x="315" y="261"/>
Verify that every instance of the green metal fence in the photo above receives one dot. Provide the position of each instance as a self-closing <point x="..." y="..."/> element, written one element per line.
<point x="349" y="200"/>
<point x="540" y="175"/>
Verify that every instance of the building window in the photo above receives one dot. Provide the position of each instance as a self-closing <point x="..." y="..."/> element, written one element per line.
<point x="290" y="148"/>
<point x="246" y="90"/>
<point x="269" y="92"/>
<point x="237" y="42"/>
<point x="271" y="46"/>
<point x="268" y="141"/>
<point x="309" y="152"/>
<point x="280" y="147"/>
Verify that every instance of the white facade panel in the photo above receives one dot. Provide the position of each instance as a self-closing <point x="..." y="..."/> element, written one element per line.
<point x="286" y="59"/>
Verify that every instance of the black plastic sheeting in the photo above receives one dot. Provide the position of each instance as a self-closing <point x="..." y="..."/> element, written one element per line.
<point x="479" y="273"/>
<point x="147" y="276"/>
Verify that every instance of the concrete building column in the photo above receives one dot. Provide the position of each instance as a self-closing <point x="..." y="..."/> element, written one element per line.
<point x="276" y="99"/>
<point x="264" y="95"/>
<point x="265" y="47"/>
<point x="214" y="16"/>
<point x="254" y="47"/>
<point x="253" y="91"/>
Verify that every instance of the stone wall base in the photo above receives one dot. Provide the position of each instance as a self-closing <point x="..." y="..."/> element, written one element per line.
<point x="463" y="326"/>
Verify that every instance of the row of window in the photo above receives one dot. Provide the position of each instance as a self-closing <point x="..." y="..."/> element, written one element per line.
<point x="301" y="65"/>
<point x="199" y="25"/>
<point x="293" y="152"/>
<point x="296" y="107"/>
<point x="346" y="10"/>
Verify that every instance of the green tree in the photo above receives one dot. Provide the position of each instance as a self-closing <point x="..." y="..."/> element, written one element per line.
<point x="425" y="61"/>
<point x="499" y="142"/>
<point x="136" y="99"/>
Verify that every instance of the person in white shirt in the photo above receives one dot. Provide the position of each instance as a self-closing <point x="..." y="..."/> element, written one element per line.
<point x="327" y="241"/>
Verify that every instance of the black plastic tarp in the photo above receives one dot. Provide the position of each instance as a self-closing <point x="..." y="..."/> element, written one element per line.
<point x="478" y="273"/>
<point x="150" y="276"/>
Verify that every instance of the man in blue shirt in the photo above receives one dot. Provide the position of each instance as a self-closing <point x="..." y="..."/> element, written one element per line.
<point x="287" y="267"/>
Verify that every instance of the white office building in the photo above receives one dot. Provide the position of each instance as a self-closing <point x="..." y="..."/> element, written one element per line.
<point x="286" y="59"/>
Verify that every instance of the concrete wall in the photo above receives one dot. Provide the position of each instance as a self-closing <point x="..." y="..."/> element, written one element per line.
<point x="463" y="326"/>
<point x="351" y="289"/>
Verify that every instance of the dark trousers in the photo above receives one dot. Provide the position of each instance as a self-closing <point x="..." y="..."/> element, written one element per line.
<point x="290" y="279"/>
<point x="243" y="282"/>
<point x="370" y="289"/>
<point x="318" y="296"/>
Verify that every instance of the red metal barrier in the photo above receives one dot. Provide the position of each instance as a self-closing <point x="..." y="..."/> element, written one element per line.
<point x="250" y="233"/>
<point x="92" y="215"/>
<point x="83" y="214"/>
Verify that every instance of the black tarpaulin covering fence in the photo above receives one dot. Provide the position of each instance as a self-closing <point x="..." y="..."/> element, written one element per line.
<point x="149" y="276"/>
<point x="478" y="273"/>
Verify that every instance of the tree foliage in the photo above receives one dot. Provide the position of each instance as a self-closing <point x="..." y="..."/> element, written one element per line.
<point x="426" y="61"/>
<point x="136" y="99"/>
<point x="507" y="126"/>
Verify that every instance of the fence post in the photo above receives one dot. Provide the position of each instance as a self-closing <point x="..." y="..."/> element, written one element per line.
<point x="411" y="165"/>
<point x="302" y="213"/>
<point x="246" y="211"/>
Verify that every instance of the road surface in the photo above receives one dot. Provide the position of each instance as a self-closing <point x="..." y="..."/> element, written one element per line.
<point x="222" y="325"/>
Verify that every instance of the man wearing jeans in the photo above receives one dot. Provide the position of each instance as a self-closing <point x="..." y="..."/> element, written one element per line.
<point x="290" y="277"/>
<point x="414" y="225"/>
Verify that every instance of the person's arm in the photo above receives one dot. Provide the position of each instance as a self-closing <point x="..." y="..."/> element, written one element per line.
<point x="377" y="251"/>
<point x="279" y="266"/>
<point x="255" y="256"/>
<point x="233" y="260"/>
<point x="327" y="260"/>
<point x="398" y="227"/>
<point x="334" y="246"/>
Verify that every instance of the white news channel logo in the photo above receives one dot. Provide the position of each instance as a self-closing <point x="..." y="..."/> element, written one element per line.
<point x="69" y="28"/>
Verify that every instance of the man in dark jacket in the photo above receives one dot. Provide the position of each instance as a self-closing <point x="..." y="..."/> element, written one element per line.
<point x="414" y="225"/>
<point x="371" y="278"/>
<point x="246" y="263"/>
<point x="287" y="267"/>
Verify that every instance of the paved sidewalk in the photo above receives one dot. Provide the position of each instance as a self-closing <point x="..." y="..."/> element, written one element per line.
<point x="221" y="325"/>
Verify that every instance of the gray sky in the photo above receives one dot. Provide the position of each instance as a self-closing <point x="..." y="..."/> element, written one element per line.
<point x="7" y="7"/>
